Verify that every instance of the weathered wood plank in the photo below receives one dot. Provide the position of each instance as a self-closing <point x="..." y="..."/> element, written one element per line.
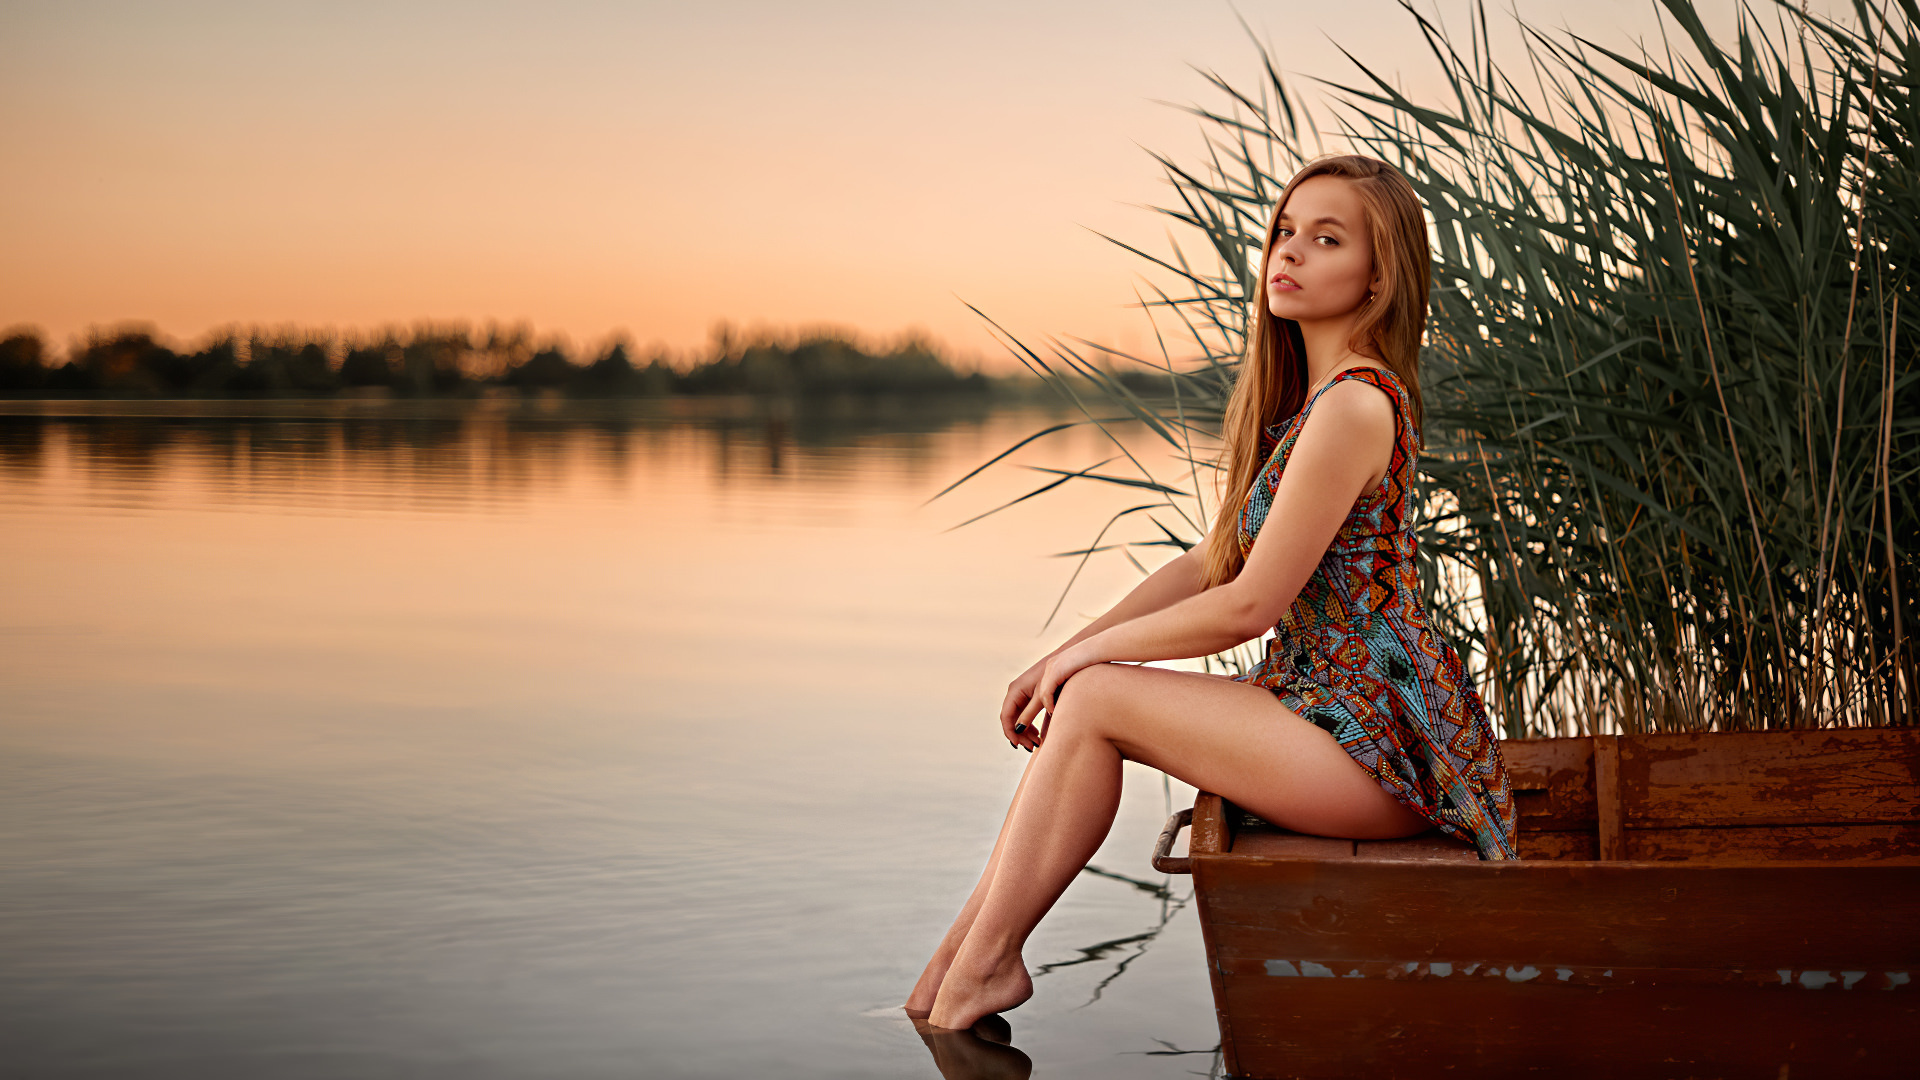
<point x="1607" y="797"/>
<point x="1493" y="1026"/>
<point x="1272" y="843"/>
<point x="1878" y="843"/>
<point x="1427" y="847"/>
<point x="1715" y="951"/>
<point x="1209" y="829"/>
<point x="1561" y="846"/>
<point x="1546" y="913"/>
<point x="1209" y="817"/>
<point x="1552" y="782"/>
<point x="1828" y="776"/>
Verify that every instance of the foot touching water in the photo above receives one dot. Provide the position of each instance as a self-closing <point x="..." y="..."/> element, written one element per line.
<point x="919" y="1004"/>
<point x="969" y="993"/>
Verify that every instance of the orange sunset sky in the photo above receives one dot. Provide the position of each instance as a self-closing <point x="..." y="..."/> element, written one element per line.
<point x="645" y="168"/>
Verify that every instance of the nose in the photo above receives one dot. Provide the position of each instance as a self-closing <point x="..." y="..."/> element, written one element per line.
<point x="1285" y="250"/>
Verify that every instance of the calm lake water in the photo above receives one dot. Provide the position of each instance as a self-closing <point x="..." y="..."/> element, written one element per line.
<point x="477" y="740"/>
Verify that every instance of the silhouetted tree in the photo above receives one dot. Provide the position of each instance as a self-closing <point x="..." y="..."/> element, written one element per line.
<point x="129" y="362"/>
<point x="548" y="369"/>
<point x="23" y="361"/>
<point x="430" y="363"/>
<point x="611" y="374"/>
<point x="71" y="378"/>
<point x="827" y="364"/>
<point x="213" y="370"/>
<point x="439" y="361"/>
<point x="370" y="365"/>
<point x="312" y="370"/>
<point x="264" y="374"/>
<point x="657" y="379"/>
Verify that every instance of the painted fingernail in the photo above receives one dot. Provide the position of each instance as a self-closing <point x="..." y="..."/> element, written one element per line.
<point x="1018" y="728"/>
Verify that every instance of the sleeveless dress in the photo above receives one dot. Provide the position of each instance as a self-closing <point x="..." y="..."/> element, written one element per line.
<point x="1356" y="656"/>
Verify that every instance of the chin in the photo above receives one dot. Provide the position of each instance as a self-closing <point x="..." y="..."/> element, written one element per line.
<point x="1288" y="308"/>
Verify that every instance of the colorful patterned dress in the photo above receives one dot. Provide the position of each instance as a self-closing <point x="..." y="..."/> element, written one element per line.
<point x="1355" y="655"/>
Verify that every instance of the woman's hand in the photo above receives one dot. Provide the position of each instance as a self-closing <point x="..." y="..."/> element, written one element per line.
<point x="1014" y="712"/>
<point x="1024" y="728"/>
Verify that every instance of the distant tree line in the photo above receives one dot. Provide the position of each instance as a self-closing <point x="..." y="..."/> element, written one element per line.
<point x="455" y="362"/>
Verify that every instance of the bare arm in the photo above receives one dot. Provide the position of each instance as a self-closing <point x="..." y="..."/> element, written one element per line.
<point x="1342" y="451"/>
<point x="1176" y="581"/>
<point x="1179" y="579"/>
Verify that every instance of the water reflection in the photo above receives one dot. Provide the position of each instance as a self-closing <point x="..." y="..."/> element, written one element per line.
<point x="523" y="742"/>
<point x="1133" y="946"/>
<point x="987" y="1052"/>
<point x="984" y="1053"/>
<point x="458" y="454"/>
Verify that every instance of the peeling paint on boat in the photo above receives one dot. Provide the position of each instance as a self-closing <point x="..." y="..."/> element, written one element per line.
<point x="1416" y="970"/>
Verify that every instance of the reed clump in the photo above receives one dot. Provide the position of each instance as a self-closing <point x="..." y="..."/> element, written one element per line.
<point x="1673" y="421"/>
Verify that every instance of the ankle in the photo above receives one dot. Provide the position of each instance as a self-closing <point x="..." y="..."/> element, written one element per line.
<point x="988" y="960"/>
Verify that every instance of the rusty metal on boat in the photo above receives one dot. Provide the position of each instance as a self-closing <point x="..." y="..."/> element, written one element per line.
<point x="1718" y="904"/>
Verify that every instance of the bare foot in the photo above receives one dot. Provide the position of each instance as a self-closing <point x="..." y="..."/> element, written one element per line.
<point x="967" y="995"/>
<point x="919" y="1004"/>
<point x="984" y="1053"/>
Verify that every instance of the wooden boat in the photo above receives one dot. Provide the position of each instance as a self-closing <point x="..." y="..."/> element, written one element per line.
<point x="1725" y="904"/>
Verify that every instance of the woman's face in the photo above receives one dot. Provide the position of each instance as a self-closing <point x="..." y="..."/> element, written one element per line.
<point x="1321" y="264"/>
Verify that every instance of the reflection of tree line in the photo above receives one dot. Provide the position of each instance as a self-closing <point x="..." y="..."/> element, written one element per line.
<point x="469" y="447"/>
<point x="456" y="362"/>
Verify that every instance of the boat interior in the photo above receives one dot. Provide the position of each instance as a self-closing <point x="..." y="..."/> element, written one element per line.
<point x="1832" y="795"/>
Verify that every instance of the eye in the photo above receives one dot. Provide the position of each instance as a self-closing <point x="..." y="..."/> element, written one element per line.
<point x="1330" y="241"/>
<point x="1282" y="231"/>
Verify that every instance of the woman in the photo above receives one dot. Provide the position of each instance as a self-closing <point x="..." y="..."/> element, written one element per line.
<point x="1359" y="722"/>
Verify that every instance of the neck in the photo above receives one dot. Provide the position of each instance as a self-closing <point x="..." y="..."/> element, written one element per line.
<point x="1327" y="347"/>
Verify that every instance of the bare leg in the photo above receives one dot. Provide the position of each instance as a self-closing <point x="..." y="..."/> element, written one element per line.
<point x="919" y="1004"/>
<point x="1221" y="736"/>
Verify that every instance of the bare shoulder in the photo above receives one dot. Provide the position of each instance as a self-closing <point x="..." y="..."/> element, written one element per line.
<point x="1350" y="411"/>
<point x="1348" y="437"/>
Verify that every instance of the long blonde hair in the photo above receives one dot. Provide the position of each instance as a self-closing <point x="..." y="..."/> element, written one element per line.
<point x="1272" y="381"/>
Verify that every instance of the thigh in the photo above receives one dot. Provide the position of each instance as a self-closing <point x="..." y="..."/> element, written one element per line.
<point x="1237" y="741"/>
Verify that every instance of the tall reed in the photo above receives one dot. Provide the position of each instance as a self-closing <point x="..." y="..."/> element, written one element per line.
<point x="1673" y="421"/>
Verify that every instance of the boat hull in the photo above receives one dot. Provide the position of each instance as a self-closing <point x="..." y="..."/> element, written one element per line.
<point x="1325" y="968"/>
<point x="1687" y="905"/>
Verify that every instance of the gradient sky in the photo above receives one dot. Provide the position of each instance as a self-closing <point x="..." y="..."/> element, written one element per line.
<point x="638" y="167"/>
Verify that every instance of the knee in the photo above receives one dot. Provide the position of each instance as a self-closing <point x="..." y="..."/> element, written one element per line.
<point x="1087" y="699"/>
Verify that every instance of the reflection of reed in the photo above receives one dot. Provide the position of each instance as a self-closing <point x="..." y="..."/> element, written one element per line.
<point x="1217" y="1069"/>
<point x="1136" y="944"/>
